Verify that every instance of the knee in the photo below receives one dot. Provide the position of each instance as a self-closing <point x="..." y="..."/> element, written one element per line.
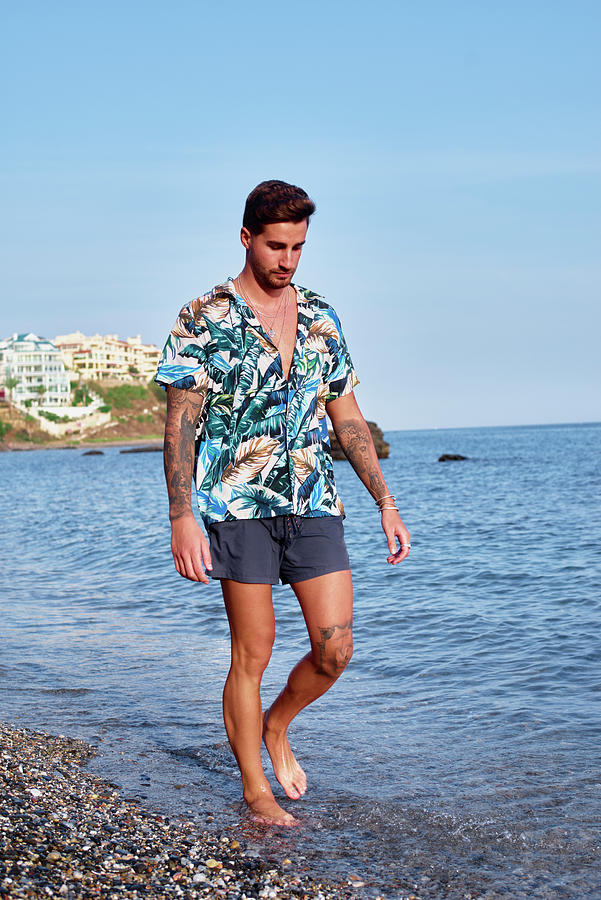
<point x="252" y="659"/>
<point x="334" y="651"/>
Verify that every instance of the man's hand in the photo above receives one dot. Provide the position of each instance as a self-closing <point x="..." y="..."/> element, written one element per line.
<point x="394" y="528"/>
<point x="355" y="438"/>
<point x="190" y="548"/>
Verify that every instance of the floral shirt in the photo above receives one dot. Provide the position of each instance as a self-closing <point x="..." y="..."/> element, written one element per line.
<point x="262" y="445"/>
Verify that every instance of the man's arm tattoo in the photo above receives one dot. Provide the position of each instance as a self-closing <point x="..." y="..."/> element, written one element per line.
<point x="184" y="409"/>
<point x="356" y="441"/>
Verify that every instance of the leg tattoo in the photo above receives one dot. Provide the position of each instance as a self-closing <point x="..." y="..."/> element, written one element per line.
<point x="335" y="649"/>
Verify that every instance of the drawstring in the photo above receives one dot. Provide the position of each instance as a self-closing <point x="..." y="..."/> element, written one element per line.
<point x="293" y="524"/>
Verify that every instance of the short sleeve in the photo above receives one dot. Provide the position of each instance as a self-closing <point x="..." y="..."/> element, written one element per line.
<point x="185" y="361"/>
<point x="341" y="377"/>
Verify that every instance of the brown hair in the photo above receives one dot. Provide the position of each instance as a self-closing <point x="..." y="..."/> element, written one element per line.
<point x="276" y="201"/>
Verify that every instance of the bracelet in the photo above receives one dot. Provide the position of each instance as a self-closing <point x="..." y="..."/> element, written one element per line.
<point x="385" y="497"/>
<point x="382" y="508"/>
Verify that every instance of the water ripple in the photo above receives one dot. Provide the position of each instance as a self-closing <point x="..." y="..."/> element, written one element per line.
<point x="469" y="716"/>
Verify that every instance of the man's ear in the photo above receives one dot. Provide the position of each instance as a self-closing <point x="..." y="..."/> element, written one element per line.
<point x="245" y="237"/>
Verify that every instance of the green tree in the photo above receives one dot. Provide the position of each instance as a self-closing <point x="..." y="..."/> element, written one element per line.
<point x="11" y="384"/>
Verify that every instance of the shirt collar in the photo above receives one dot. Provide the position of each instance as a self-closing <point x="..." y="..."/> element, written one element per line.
<point x="303" y="295"/>
<point x="306" y="310"/>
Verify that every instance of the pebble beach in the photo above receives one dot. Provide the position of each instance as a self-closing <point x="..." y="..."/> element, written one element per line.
<point x="65" y="832"/>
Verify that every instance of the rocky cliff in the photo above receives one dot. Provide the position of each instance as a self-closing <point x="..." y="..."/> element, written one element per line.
<point x="382" y="447"/>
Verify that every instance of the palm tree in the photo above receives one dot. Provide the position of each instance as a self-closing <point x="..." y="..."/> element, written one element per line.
<point x="41" y="390"/>
<point x="11" y="382"/>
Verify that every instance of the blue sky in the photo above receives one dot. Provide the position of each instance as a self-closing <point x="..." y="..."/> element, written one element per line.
<point x="453" y="151"/>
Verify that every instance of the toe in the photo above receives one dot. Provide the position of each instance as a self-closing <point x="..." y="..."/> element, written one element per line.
<point x="299" y="788"/>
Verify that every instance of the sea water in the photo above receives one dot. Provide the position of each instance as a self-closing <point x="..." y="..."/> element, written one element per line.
<point x="459" y="754"/>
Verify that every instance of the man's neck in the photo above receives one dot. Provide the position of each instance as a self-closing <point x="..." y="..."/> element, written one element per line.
<point x="264" y="297"/>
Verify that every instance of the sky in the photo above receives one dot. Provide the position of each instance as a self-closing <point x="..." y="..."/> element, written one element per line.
<point x="453" y="150"/>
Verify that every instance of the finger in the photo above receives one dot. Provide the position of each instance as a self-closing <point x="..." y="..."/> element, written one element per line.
<point x="206" y="554"/>
<point x="199" y="568"/>
<point x="399" y="556"/>
<point x="178" y="561"/>
<point x="402" y="553"/>
<point x="189" y="569"/>
<point x="390" y="532"/>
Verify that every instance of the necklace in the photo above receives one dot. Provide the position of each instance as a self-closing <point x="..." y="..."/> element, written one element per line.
<point x="262" y="316"/>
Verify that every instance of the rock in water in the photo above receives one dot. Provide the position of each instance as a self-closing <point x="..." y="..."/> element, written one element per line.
<point x="382" y="446"/>
<point x="146" y="449"/>
<point x="451" y="457"/>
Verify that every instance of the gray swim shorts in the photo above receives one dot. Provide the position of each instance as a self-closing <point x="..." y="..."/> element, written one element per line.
<point x="290" y="548"/>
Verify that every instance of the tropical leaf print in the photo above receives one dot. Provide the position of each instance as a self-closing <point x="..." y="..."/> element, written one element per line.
<point x="181" y="329"/>
<point x="261" y="446"/>
<point x="207" y="453"/>
<point x="322" y="393"/>
<point x="306" y="488"/>
<point x="255" y="412"/>
<point x="305" y="462"/>
<point x="321" y="331"/>
<point x="204" y="384"/>
<point x="221" y="404"/>
<point x="278" y="479"/>
<point x="316" y="500"/>
<point x="276" y="398"/>
<point x="251" y="457"/>
<point x="215" y="308"/>
<point x="259" y="502"/>
<point x="272" y="425"/>
<point x="215" y="505"/>
<point x="267" y="346"/>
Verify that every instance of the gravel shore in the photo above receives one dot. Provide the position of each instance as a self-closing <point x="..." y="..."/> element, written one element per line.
<point x="67" y="833"/>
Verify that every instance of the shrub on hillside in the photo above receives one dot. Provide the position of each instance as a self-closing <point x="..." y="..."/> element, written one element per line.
<point x="157" y="391"/>
<point x="123" y="395"/>
<point x="4" y="428"/>
<point x="52" y="417"/>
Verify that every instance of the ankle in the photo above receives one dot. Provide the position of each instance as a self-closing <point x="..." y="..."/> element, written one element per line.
<point x="273" y="725"/>
<point x="261" y="790"/>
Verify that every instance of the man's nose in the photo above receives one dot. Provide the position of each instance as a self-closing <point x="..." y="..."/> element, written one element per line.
<point x="286" y="259"/>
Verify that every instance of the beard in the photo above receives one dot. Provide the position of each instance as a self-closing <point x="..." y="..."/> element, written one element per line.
<point x="269" y="280"/>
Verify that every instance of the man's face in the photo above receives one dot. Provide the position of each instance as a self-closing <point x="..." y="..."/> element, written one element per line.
<point x="274" y="254"/>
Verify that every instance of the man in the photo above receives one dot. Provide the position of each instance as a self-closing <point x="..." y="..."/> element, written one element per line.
<point x="251" y="369"/>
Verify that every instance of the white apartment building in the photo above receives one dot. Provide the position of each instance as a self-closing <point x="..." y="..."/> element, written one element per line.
<point x="37" y="367"/>
<point x="107" y="356"/>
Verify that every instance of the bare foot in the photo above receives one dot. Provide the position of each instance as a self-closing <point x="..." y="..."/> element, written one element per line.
<point x="264" y="809"/>
<point x="285" y="766"/>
